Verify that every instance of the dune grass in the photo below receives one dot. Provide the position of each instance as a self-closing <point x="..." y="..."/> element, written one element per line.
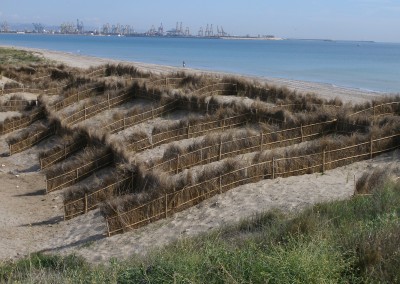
<point x="350" y="241"/>
<point x="14" y="56"/>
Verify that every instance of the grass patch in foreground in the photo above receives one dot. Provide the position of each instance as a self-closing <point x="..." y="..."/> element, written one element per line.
<point x="351" y="241"/>
<point x="15" y="56"/>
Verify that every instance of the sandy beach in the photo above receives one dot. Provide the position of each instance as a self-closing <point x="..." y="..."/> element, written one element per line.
<point x="33" y="221"/>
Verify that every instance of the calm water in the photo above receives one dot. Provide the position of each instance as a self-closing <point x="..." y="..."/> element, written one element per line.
<point x="363" y="65"/>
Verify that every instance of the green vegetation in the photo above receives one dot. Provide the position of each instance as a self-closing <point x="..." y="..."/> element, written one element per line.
<point x="14" y="56"/>
<point x="351" y="241"/>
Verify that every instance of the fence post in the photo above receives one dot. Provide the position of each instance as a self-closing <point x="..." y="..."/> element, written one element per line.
<point x="220" y="184"/>
<point x="86" y="202"/>
<point x="370" y="148"/>
<point x="261" y="141"/>
<point x="85" y="112"/>
<point x="301" y="131"/>
<point x="77" y="174"/>
<point x="323" y="161"/>
<point x="273" y="168"/>
<point x="166" y="205"/>
<point x="177" y="164"/>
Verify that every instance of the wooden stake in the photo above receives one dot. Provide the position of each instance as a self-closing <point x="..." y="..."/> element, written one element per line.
<point x="85" y="112"/>
<point x="273" y="168"/>
<point x="188" y="131"/>
<point x="77" y="174"/>
<point x="261" y="141"/>
<point x="220" y="184"/>
<point x="370" y="148"/>
<point x="301" y="130"/>
<point x="86" y="202"/>
<point x="220" y="150"/>
<point x="166" y="205"/>
<point x="177" y="163"/>
<point x="323" y="161"/>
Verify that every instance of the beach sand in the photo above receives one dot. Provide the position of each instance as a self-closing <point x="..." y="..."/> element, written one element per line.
<point x="32" y="221"/>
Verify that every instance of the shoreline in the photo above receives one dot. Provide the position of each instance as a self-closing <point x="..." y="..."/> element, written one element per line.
<point x="324" y="90"/>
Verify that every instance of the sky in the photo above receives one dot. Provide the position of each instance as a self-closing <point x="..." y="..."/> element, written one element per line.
<point x="377" y="20"/>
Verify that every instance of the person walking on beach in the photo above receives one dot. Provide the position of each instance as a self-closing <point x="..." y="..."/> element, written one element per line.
<point x="184" y="64"/>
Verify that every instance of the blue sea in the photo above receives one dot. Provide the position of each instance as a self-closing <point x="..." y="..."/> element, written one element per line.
<point x="360" y="65"/>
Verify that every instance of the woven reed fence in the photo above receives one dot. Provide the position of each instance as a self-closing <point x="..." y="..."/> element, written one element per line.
<point x="52" y="91"/>
<point x="379" y="110"/>
<point x="190" y="131"/>
<point x="79" y="173"/>
<point x="80" y="95"/>
<point x="97" y="107"/>
<point x="234" y="147"/>
<point x="210" y="154"/>
<point x="13" y="124"/>
<point x="90" y="201"/>
<point x="114" y="127"/>
<point x="67" y="150"/>
<point x="17" y="105"/>
<point x="31" y="140"/>
<point x="189" y="196"/>
<point x="167" y="82"/>
<point x="133" y="119"/>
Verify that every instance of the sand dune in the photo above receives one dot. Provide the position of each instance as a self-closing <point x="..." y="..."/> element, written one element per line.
<point x="32" y="221"/>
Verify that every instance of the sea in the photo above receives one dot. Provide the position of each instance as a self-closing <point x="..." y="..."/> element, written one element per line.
<point x="370" y="66"/>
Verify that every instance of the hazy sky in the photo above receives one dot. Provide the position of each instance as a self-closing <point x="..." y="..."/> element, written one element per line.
<point x="377" y="20"/>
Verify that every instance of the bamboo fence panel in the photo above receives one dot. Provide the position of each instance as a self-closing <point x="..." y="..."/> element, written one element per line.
<point x="283" y="167"/>
<point x="17" y="105"/>
<point x="379" y="110"/>
<point x="22" y="122"/>
<point x="167" y="82"/>
<point x="63" y="153"/>
<point x="31" y="140"/>
<point x="262" y="141"/>
<point x="98" y="107"/>
<point x="208" y="156"/>
<point x="80" y="95"/>
<point x="134" y="119"/>
<point x="77" y="174"/>
<point x="187" y="132"/>
<point x="90" y="201"/>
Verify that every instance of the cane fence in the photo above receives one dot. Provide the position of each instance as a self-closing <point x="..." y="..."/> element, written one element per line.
<point x="17" y="105"/>
<point x="52" y="91"/>
<point x="90" y="201"/>
<point x="67" y="150"/>
<point x="80" y="95"/>
<point x="234" y="147"/>
<point x="167" y="82"/>
<point x="181" y="199"/>
<point x="187" y="132"/>
<point x="31" y="140"/>
<point x="98" y="107"/>
<point x="79" y="173"/>
<point x="306" y="132"/>
<point x="13" y="124"/>
<point x="133" y="119"/>
<point x="379" y="110"/>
